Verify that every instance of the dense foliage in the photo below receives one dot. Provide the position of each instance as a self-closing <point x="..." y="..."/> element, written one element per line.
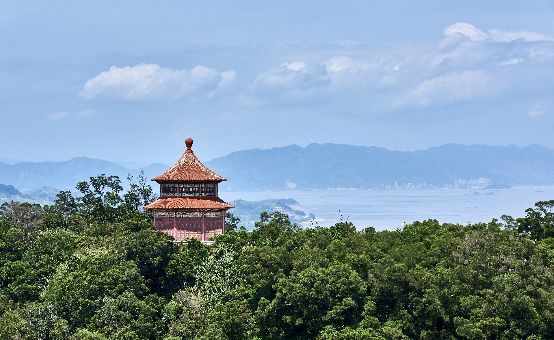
<point x="93" y="267"/>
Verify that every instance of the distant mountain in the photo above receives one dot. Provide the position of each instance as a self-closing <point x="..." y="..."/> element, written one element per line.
<point x="65" y="174"/>
<point x="8" y="191"/>
<point x="44" y="195"/>
<point x="321" y="166"/>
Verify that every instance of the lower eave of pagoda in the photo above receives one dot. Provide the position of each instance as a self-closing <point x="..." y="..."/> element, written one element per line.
<point x="189" y="203"/>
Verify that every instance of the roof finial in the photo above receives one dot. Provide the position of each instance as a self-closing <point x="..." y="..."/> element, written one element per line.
<point x="189" y="142"/>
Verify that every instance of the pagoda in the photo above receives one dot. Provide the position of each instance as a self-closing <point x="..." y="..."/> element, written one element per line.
<point x="189" y="206"/>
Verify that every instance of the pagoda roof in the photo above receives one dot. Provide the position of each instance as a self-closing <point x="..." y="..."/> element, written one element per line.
<point x="189" y="203"/>
<point x="189" y="169"/>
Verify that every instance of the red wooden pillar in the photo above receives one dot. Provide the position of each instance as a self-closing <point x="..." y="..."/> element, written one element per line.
<point x="203" y="228"/>
<point x="175" y="229"/>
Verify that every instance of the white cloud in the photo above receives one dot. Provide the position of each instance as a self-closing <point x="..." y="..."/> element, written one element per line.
<point x="339" y="63"/>
<point x="507" y="36"/>
<point x="326" y="79"/>
<point x="511" y="61"/>
<point x="227" y="79"/>
<point x="467" y="30"/>
<point x="468" y="65"/>
<point x="540" y="108"/>
<point x="153" y="82"/>
<point x="294" y="79"/>
<point x="294" y="66"/>
<point x="450" y="88"/>
<point x="474" y="34"/>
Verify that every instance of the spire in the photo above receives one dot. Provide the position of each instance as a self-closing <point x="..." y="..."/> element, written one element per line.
<point x="189" y="169"/>
<point x="188" y="143"/>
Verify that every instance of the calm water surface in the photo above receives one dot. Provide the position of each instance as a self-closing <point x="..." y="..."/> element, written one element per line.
<point x="390" y="209"/>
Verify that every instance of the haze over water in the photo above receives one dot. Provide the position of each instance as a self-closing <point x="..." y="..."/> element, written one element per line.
<point x="390" y="209"/>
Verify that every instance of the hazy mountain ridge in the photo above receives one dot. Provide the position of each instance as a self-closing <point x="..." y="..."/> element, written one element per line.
<point x="43" y="195"/>
<point x="8" y="191"/>
<point x="66" y="174"/>
<point x="322" y="166"/>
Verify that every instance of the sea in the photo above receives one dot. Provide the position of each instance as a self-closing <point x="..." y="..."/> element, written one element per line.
<point x="392" y="209"/>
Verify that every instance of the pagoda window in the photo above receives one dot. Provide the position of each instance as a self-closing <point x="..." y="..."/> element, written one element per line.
<point x="195" y="189"/>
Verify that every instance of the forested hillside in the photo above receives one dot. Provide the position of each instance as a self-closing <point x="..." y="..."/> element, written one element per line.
<point x="92" y="267"/>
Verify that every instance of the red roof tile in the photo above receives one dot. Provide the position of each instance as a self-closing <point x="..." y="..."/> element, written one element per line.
<point x="176" y="203"/>
<point x="189" y="169"/>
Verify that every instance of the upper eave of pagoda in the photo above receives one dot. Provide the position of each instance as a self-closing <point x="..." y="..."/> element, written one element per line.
<point x="189" y="169"/>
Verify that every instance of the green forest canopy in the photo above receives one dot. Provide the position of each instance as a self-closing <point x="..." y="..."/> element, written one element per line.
<point x="93" y="267"/>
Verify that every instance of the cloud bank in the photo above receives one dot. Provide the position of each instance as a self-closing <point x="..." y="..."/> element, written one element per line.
<point x="473" y="33"/>
<point x="468" y="65"/>
<point x="146" y="82"/>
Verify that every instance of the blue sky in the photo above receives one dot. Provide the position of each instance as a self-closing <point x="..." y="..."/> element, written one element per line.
<point x="129" y="80"/>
